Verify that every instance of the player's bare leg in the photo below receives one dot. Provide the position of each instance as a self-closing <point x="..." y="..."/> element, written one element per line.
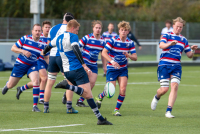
<point x="34" y="76"/>
<point x="43" y="81"/>
<point x="92" y="78"/>
<point x="47" y="94"/>
<point x="10" y="84"/>
<point x="122" y="92"/>
<point x="23" y="88"/>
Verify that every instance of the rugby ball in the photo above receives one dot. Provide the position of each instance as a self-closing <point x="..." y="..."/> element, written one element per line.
<point x="109" y="90"/>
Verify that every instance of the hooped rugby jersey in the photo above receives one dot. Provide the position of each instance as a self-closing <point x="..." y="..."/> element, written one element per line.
<point x="35" y="48"/>
<point x="107" y="36"/>
<point x="116" y="48"/>
<point x="56" y="31"/>
<point x="172" y="54"/>
<point x="64" y="43"/>
<point x="91" y="48"/>
<point x="44" y="39"/>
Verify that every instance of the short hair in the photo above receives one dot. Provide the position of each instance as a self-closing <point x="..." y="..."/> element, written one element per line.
<point x="124" y="24"/>
<point x="68" y="16"/>
<point x="110" y="24"/>
<point x="36" y="25"/>
<point x="46" y="22"/>
<point x="168" y="21"/>
<point x="73" y="23"/>
<point x="97" y="22"/>
<point x="179" y="19"/>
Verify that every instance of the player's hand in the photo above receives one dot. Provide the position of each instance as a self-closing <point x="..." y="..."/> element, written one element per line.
<point x="140" y="47"/>
<point x="194" y="47"/>
<point x="42" y="53"/>
<point x="26" y="53"/>
<point x="126" y="54"/>
<point x="115" y="65"/>
<point x="88" y="71"/>
<point x="173" y="42"/>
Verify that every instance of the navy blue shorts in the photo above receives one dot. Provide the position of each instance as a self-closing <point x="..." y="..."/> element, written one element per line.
<point x="20" y="70"/>
<point x="55" y="64"/>
<point x="42" y="65"/>
<point x="94" y="69"/>
<point x="77" y="77"/>
<point x="113" y="74"/>
<point x="165" y="71"/>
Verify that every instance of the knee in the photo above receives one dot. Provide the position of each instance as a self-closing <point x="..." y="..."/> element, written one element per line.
<point x="35" y="82"/>
<point x="174" y="86"/>
<point x="164" y="89"/>
<point x="87" y="94"/>
<point x="44" y="79"/>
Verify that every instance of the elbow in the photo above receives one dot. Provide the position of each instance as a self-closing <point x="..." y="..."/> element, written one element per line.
<point x="135" y="59"/>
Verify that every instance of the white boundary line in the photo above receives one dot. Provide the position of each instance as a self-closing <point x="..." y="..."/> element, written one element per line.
<point x="35" y="129"/>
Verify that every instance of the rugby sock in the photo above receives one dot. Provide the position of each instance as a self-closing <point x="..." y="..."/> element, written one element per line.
<point x="36" y="90"/>
<point x="69" y="104"/>
<point x="41" y="94"/>
<point x="94" y="108"/>
<point x="157" y="97"/>
<point x="119" y="101"/>
<point x="46" y="105"/>
<point x="77" y="90"/>
<point x="81" y="99"/>
<point x="169" y="108"/>
<point x="24" y="87"/>
<point x="101" y="95"/>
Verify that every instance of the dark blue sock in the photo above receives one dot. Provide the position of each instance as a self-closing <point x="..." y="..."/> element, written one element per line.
<point x="46" y="104"/>
<point x="169" y="108"/>
<point x="76" y="89"/>
<point x="94" y="108"/>
<point x="69" y="105"/>
<point x="157" y="97"/>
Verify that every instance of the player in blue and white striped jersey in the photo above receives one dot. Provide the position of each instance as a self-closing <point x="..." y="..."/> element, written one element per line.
<point x="42" y="66"/>
<point x="55" y="63"/>
<point x="74" y="66"/>
<point x="92" y="45"/>
<point x="118" y="48"/>
<point x="29" y="49"/>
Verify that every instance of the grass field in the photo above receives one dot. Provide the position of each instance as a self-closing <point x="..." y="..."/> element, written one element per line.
<point x="137" y="117"/>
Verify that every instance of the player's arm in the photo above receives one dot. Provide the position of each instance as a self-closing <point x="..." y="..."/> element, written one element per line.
<point x="20" y="51"/>
<point x="50" y="45"/>
<point x="190" y="54"/>
<point x="107" y="57"/>
<point x="132" y="56"/>
<point x="163" y="42"/>
<point x="104" y="62"/>
<point x="46" y="58"/>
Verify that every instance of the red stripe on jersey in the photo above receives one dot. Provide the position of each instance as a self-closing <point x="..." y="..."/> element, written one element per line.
<point x="169" y="58"/>
<point x="181" y="42"/>
<point x="33" y="47"/>
<point x="23" y="62"/>
<point x="20" y="42"/>
<point x="166" y="49"/>
<point x="186" y="46"/>
<point x="164" y="38"/>
<point x="89" y="60"/>
<point x="119" y="48"/>
<point x="82" y="42"/>
<point x="111" y="55"/>
<point x="109" y="44"/>
<point x="95" y="45"/>
<point x="86" y="50"/>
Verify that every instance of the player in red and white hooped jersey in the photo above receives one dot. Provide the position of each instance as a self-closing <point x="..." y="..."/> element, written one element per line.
<point x="42" y="65"/>
<point x="29" y="49"/>
<point x="169" y="67"/>
<point x="119" y="48"/>
<point x="92" y="45"/>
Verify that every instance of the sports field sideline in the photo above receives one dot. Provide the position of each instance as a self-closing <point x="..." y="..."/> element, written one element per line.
<point x="137" y="117"/>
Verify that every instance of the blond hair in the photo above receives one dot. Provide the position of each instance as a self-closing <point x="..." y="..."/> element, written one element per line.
<point x="124" y="24"/>
<point x="97" y="22"/>
<point x="179" y="19"/>
<point x="73" y="23"/>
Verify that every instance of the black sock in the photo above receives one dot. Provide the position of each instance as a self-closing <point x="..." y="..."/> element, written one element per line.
<point x="46" y="105"/>
<point x="76" y="89"/>
<point x="69" y="105"/>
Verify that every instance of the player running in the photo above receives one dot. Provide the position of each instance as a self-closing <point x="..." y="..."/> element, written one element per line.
<point x="55" y="65"/>
<point x="169" y="67"/>
<point x="92" y="45"/>
<point x="29" y="48"/>
<point x="118" y="48"/>
<point x="74" y="66"/>
<point x="42" y="66"/>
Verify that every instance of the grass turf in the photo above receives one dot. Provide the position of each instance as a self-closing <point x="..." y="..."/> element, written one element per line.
<point x="137" y="117"/>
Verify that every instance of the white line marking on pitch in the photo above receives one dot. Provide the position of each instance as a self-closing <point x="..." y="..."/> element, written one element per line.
<point x="26" y="129"/>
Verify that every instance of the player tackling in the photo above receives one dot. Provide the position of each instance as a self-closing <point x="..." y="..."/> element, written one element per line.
<point x="169" y="67"/>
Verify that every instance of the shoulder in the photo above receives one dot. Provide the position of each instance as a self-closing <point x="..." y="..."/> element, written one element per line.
<point x="74" y="36"/>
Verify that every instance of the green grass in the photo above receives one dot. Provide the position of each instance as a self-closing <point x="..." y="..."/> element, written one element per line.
<point x="137" y="117"/>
